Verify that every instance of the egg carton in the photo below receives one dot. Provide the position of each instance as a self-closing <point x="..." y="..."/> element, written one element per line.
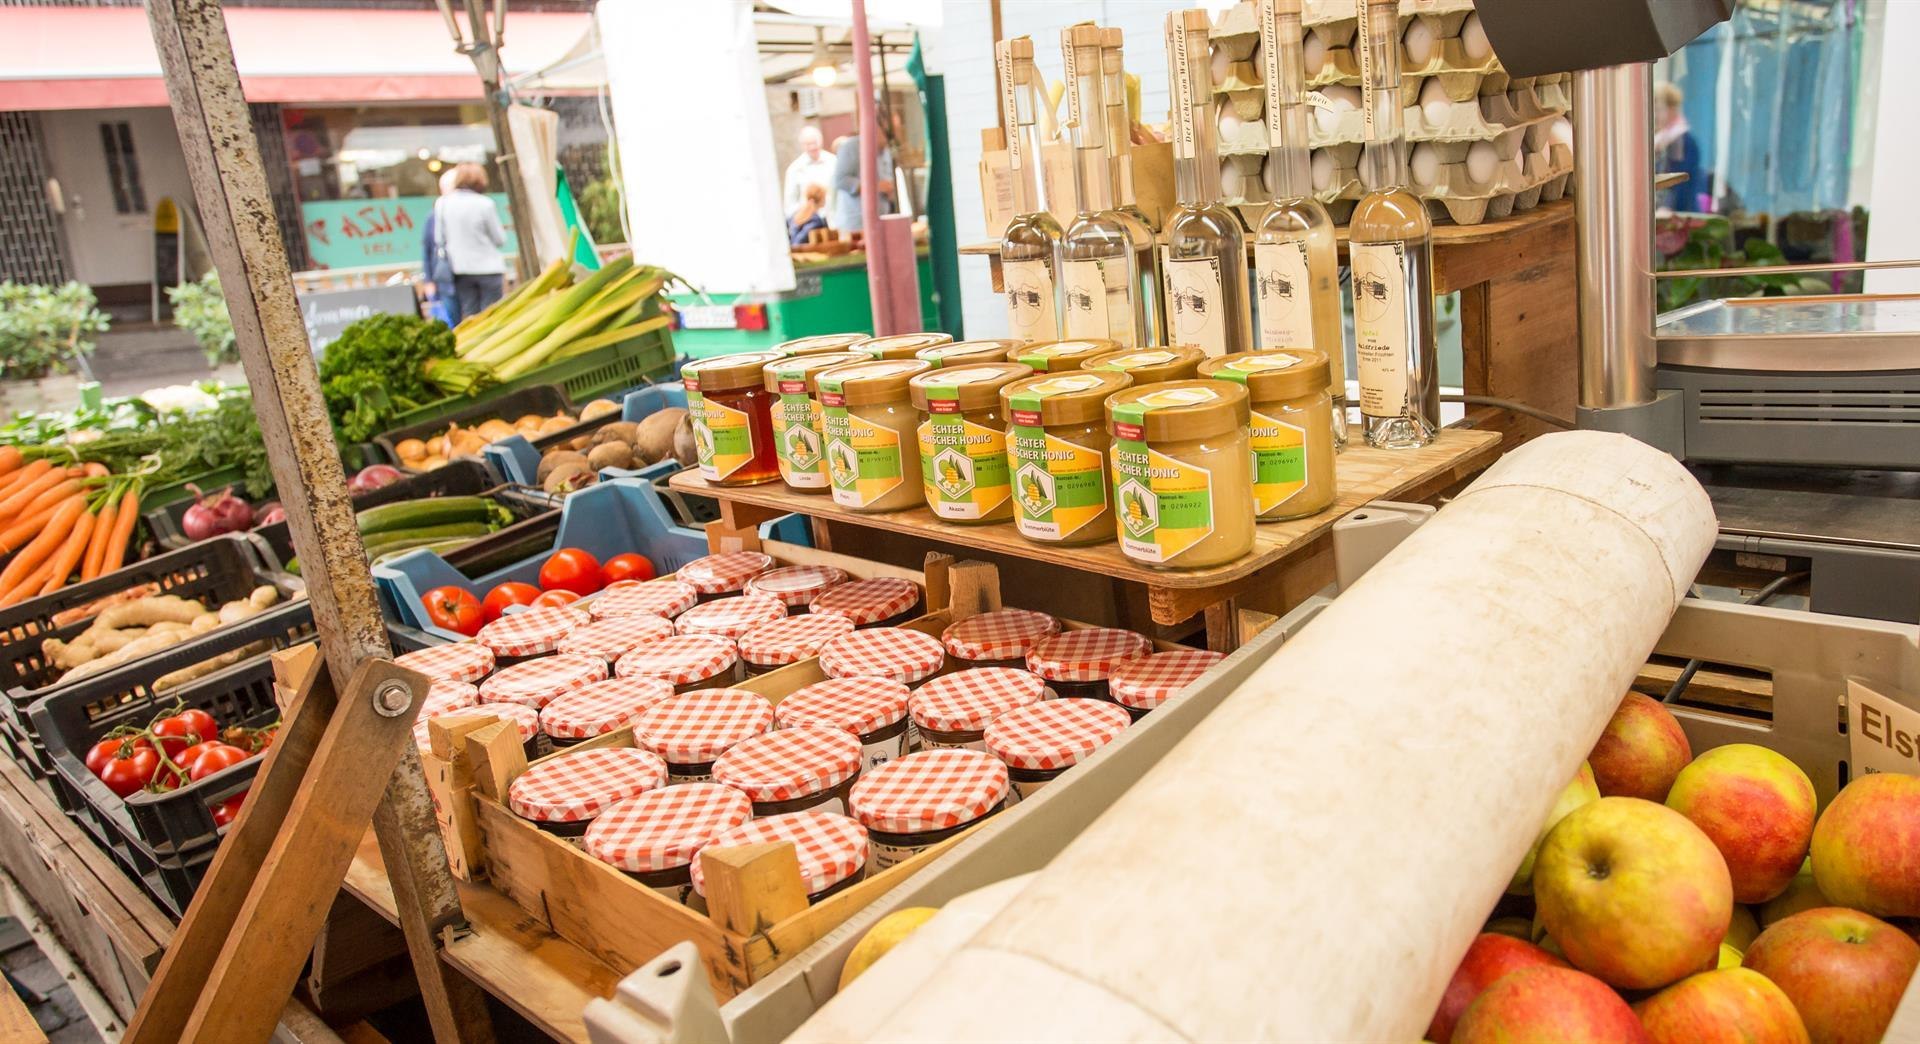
<point x="1236" y="135"/>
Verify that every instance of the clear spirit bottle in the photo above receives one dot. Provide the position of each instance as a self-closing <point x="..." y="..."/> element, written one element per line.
<point x="1113" y="67"/>
<point x="1296" y="262"/>
<point x="1205" y="269"/>
<point x="1390" y="252"/>
<point x="1030" y="247"/>
<point x="1107" y="274"/>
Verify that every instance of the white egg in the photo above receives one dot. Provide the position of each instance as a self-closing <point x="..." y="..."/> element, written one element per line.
<point x="1270" y="177"/>
<point x="1561" y="131"/>
<point x="1473" y="38"/>
<point x="1435" y="106"/>
<point x="1425" y="164"/>
<point x="1313" y="52"/>
<point x="1341" y="99"/>
<point x="1322" y="164"/>
<point x="1229" y="123"/>
<point x="1222" y="61"/>
<point x="1481" y="162"/>
<point x="1421" y="42"/>
<point x="1231" y="182"/>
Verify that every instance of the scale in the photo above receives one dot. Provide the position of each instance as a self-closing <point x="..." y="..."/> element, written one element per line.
<point x="1800" y="415"/>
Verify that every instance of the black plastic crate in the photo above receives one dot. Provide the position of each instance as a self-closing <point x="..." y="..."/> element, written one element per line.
<point x="691" y="510"/>
<point x="543" y="399"/>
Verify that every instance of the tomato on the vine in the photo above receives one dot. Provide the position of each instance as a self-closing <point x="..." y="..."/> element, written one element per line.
<point x="454" y="608"/>
<point x="107" y="749"/>
<point x="212" y="757"/>
<point x="550" y="598"/>
<point x="627" y="567"/>
<point x="200" y="722"/>
<point x="503" y="596"/>
<point x="227" y="811"/>
<point x="179" y="733"/>
<point x="571" y="569"/>
<point x="129" y="769"/>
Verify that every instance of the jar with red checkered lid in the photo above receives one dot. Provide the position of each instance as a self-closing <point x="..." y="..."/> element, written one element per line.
<point x="797" y="585"/>
<point x="1076" y="663"/>
<point x="922" y="799"/>
<point x="530" y="632"/>
<point x="831" y="849"/>
<point x="881" y="601"/>
<point x="456" y="661"/>
<point x="691" y="729"/>
<point x="1143" y="684"/>
<point x="600" y="708"/>
<point x="900" y="653"/>
<point x="653" y="837"/>
<point x="1001" y="638"/>
<point x="563" y="793"/>
<point x="666" y="598"/>
<point x="955" y="709"/>
<point x="688" y="661"/>
<point x="789" y="640"/>
<point x="537" y="682"/>
<point x="806" y="769"/>
<point x="614" y="637"/>
<point x="443" y="698"/>
<point x="525" y="720"/>
<point x="727" y="573"/>
<point x="874" y="709"/>
<point x="730" y="617"/>
<point x="1040" y="741"/>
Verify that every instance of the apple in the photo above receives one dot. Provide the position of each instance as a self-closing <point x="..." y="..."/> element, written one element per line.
<point x="1757" y="806"/>
<point x="1729" y="1006"/>
<point x="1547" y="1006"/>
<point x="1801" y="894"/>
<point x="1576" y="793"/>
<point x="1866" y="848"/>
<point x="1633" y="892"/>
<point x="1844" y="970"/>
<point x="1640" y="751"/>
<point x="1743" y="929"/>
<point x="1517" y="927"/>
<point x="1489" y="959"/>
<point x="1728" y="957"/>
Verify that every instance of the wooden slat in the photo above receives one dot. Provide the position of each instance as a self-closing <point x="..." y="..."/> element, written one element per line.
<point x="16" y="1022"/>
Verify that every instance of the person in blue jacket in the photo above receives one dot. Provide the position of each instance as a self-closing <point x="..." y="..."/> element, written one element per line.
<point x="442" y="303"/>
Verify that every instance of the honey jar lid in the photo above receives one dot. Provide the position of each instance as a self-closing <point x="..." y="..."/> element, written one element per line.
<point x="1086" y="654"/>
<point x="726" y="372"/>
<point x="1175" y="411"/>
<point x="838" y="342"/>
<point x="577" y="786"/>
<point x="899" y="346"/>
<point x="972" y="385"/>
<point x="1151" y="365"/>
<point x="989" y="350"/>
<point x="1054" y="356"/>
<point x="828" y="846"/>
<point x="662" y="829"/>
<point x="1061" y="398"/>
<point x="1273" y="376"/>
<point x="864" y="383"/>
<point x="798" y="374"/>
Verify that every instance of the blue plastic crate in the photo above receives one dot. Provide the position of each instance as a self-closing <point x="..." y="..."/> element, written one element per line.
<point x="518" y="459"/>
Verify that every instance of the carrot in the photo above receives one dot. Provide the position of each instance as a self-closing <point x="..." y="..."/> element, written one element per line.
<point x="97" y="544"/>
<point x="30" y="587"/>
<point x="44" y="545"/>
<point x="16" y="536"/>
<point x="122" y="530"/>
<point x="94" y="469"/>
<point x="68" y="557"/>
<point x="11" y="459"/>
<point x="33" y="478"/>
<point x="54" y="494"/>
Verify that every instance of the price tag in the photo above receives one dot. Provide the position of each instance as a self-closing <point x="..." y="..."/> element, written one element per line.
<point x="1883" y="731"/>
<point x="707" y="317"/>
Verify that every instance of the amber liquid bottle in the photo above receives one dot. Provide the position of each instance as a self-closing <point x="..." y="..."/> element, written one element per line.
<point x="1205" y="270"/>
<point x="1030" y="247"/>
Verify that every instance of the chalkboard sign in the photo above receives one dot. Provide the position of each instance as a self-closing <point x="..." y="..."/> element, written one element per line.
<point x="328" y="312"/>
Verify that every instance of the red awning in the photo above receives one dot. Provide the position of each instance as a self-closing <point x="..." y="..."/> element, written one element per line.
<point x="103" y="57"/>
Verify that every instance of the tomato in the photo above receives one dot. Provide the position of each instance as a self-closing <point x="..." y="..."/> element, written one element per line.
<point x="548" y="598"/>
<point x="203" y="724"/>
<point x="571" y="569"/>
<point x="627" y="567"/>
<point x="454" y="608"/>
<point x="510" y="593"/>
<point x="227" y="811"/>
<point x="213" y="757"/>
<point x="130" y="769"/>
<point x="108" y="749"/>
<point x="182" y="731"/>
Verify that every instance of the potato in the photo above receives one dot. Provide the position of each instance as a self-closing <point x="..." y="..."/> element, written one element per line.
<point x="553" y="424"/>
<point x="615" y="454"/>
<point x="598" y="408"/>
<point x="495" y="429"/>
<point x="528" y="420"/>
<point x="554" y="459"/>
<point x="410" y="449"/>
<point x="582" y="443"/>
<point x="617" y="431"/>
<point x="685" y="450"/>
<point x="653" y="437"/>
<point x="568" y="477"/>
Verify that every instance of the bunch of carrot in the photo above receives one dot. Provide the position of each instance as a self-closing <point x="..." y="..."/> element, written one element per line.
<point x="58" y="522"/>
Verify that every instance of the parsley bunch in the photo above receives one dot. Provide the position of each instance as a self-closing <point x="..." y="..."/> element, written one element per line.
<point x="377" y="370"/>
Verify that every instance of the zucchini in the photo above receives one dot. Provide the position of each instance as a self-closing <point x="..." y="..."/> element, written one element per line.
<point x="377" y="542"/>
<point x="417" y="514"/>
<point x="395" y="550"/>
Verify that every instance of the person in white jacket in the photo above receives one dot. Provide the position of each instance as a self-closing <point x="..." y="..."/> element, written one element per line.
<point x="814" y="166"/>
<point x="468" y="224"/>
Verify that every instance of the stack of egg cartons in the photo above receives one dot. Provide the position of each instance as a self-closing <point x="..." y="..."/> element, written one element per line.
<point x="1480" y="144"/>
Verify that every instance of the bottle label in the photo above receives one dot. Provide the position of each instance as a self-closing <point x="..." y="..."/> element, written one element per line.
<point x="1195" y="309"/>
<point x="1286" y="295"/>
<point x="863" y="459"/>
<point x="1276" y="99"/>
<point x="1030" y="314"/>
<point x="722" y="436"/>
<point x="1164" y="506"/>
<point x="963" y="465"/>
<point x="1380" y="324"/>
<point x="1058" y="486"/>
<point x="1279" y="461"/>
<point x="1099" y="300"/>
<point x="796" y="431"/>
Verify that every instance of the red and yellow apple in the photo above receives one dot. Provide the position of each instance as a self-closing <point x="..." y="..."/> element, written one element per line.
<point x="1576" y="793"/>
<point x="1743" y="929"/>
<point x="1640" y="751"/>
<point x="1866" y="848"/>
<point x="1729" y="1006"/>
<point x="1548" y="1006"/>
<point x="1801" y="894"/>
<point x="1757" y="807"/>
<point x="1490" y="958"/>
<point x="1633" y="892"/>
<point x="1844" y="971"/>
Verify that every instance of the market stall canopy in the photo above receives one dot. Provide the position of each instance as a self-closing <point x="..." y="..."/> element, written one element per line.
<point x="103" y="57"/>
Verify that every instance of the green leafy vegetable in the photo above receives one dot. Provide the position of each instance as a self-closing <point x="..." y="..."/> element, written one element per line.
<point x="377" y="370"/>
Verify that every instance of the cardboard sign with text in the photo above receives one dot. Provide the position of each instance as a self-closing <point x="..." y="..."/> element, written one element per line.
<point x="1883" y="729"/>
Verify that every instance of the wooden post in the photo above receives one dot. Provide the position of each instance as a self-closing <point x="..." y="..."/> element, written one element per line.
<point x="239" y="949"/>
<point x="484" y="49"/>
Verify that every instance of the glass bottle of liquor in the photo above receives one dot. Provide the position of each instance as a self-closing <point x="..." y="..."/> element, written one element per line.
<point x="1390" y="250"/>
<point x="1206" y="263"/>
<point x="1113" y="69"/>
<point x="1030" y="247"/>
<point x="1295" y="260"/>
<point x="1108" y="279"/>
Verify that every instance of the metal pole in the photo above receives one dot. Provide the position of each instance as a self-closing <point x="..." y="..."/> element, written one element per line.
<point x="485" y="52"/>
<point x="1613" y="211"/>
<point x="877" y="251"/>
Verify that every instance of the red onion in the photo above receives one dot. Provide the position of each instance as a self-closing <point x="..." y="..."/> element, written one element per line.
<point x="212" y="515"/>
<point x="373" y="476"/>
<point x="273" y="513"/>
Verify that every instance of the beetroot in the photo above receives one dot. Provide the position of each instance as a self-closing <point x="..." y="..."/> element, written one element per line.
<point x="213" y="515"/>
<point x="372" y="477"/>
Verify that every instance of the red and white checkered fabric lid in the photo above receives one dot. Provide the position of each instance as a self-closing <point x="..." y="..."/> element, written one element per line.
<point x="443" y="697"/>
<point x="535" y="683"/>
<point x="791" y="639"/>
<point x="790" y="763"/>
<point x="697" y="727"/>
<point x="730" y="617"/>
<point x="601" y="707"/>
<point x="458" y="661"/>
<point x="869" y="601"/>
<point x="900" y="653"/>
<point x="965" y="701"/>
<point x="526" y="720"/>
<point x="930" y="790"/>
<point x="681" y="659"/>
<point x="662" y="829"/>
<point x="569" y="787"/>
<point x="830" y="848"/>
<point x="610" y="638"/>
<point x="531" y="632"/>
<point x="857" y="705"/>
<point x="1149" y="681"/>
<point x="666" y="598"/>
<point x="796" y="585"/>
<point x="1054" y="734"/>
<point x="1005" y="634"/>
<point x="1086" y="655"/>
<point x="718" y="574"/>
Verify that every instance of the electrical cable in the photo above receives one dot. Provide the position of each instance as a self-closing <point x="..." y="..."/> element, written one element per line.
<point x="1759" y="597"/>
<point x="1511" y="407"/>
